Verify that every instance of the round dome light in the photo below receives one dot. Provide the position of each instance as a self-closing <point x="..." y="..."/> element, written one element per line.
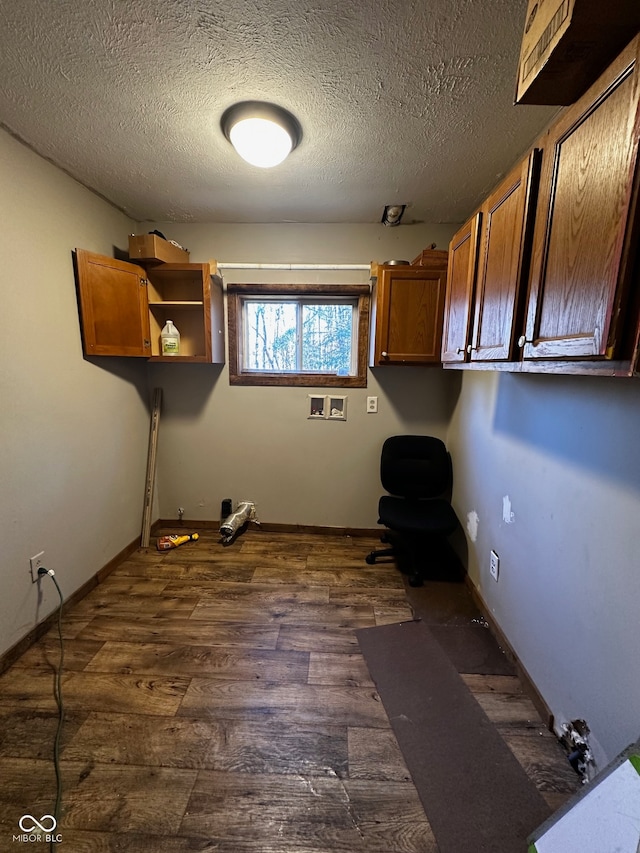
<point x="262" y="134"/>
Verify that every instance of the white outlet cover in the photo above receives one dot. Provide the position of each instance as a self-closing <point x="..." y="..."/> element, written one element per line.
<point x="494" y="566"/>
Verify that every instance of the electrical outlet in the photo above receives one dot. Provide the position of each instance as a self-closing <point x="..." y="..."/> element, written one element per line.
<point x="494" y="567"/>
<point x="35" y="563"/>
<point x="372" y="404"/>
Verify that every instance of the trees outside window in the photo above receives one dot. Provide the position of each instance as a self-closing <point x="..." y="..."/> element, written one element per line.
<point x="298" y="334"/>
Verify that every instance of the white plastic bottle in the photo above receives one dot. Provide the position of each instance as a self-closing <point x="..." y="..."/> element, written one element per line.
<point x="170" y="338"/>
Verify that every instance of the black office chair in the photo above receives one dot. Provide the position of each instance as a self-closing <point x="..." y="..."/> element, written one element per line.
<point x="416" y="470"/>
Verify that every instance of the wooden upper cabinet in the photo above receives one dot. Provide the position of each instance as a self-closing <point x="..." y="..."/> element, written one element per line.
<point x="408" y="312"/>
<point x="190" y="296"/>
<point x="113" y="306"/>
<point x="584" y="233"/>
<point x="488" y="267"/>
<point x="461" y="277"/>
<point x="124" y="307"/>
<point x="505" y="248"/>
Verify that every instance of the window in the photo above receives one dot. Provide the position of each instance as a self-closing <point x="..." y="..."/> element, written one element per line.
<point x="298" y="334"/>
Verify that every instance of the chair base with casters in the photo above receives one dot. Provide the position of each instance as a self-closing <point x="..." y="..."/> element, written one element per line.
<point x="419" y="519"/>
<point x="381" y="552"/>
<point x="420" y="555"/>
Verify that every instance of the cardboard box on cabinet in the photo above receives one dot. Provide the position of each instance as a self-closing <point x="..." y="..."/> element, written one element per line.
<point x="151" y="247"/>
<point x="567" y="44"/>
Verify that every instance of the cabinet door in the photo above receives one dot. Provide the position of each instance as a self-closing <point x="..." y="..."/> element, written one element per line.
<point x="581" y="253"/>
<point x="461" y="277"/>
<point x="409" y="311"/>
<point x="113" y="306"/>
<point x="505" y="249"/>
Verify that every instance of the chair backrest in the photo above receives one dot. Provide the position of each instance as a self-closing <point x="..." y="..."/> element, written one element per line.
<point x="415" y="466"/>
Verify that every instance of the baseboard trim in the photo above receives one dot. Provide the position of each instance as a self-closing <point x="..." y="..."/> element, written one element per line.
<point x="9" y="657"/>
<point x="527" y="682"/>
<point x="272" y="527"/>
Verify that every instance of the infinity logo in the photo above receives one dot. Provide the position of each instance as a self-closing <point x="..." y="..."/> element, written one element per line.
<point x="37" y="824"/>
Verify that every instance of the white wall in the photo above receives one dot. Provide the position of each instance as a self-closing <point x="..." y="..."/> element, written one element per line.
<point x="74" y="434"/>
<point x="563" y="450"/>
<point x="256" y="443"/>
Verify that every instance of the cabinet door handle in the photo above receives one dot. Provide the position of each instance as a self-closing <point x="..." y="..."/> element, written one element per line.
<point x="471" y="349"/>
<point x="522" y="340"/>
<point x="459" y="350"/>
<point x="384" y="354"/>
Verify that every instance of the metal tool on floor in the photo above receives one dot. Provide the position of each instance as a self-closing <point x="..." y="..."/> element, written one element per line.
<point x="245" y="512"/>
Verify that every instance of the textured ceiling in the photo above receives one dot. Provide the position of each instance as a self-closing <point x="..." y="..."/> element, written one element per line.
<point x="400" y="101"/>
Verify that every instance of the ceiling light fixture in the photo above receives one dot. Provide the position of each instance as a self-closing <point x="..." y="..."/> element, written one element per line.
<point x="392" y="214"/>
<point x="263" y="134"/>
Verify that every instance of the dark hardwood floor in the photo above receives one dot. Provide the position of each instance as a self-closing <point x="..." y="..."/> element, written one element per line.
<point x="216" y="700"/>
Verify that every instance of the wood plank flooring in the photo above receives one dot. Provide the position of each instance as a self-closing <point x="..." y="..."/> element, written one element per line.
<point x="216" y="699"/>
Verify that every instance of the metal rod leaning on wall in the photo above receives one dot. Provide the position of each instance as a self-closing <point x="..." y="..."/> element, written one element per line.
<point x="151" y="467"/>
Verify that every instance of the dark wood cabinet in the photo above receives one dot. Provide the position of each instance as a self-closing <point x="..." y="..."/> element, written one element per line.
<point x="556" y="287"/>
<point x="581" y="303"/>
<point x="504" y="254"/>
<point x="461" y="281"/>
<point x="408" y="308"/>
<point x="113" y="306"/>
<point x="488" y="266"/>
<point x="124" y="307"/>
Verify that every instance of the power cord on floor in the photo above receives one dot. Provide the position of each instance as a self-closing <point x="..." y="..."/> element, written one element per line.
<point x="58" y="697"/>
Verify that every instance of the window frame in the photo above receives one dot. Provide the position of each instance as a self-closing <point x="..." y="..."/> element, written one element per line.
<point x="237" y="292"/>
